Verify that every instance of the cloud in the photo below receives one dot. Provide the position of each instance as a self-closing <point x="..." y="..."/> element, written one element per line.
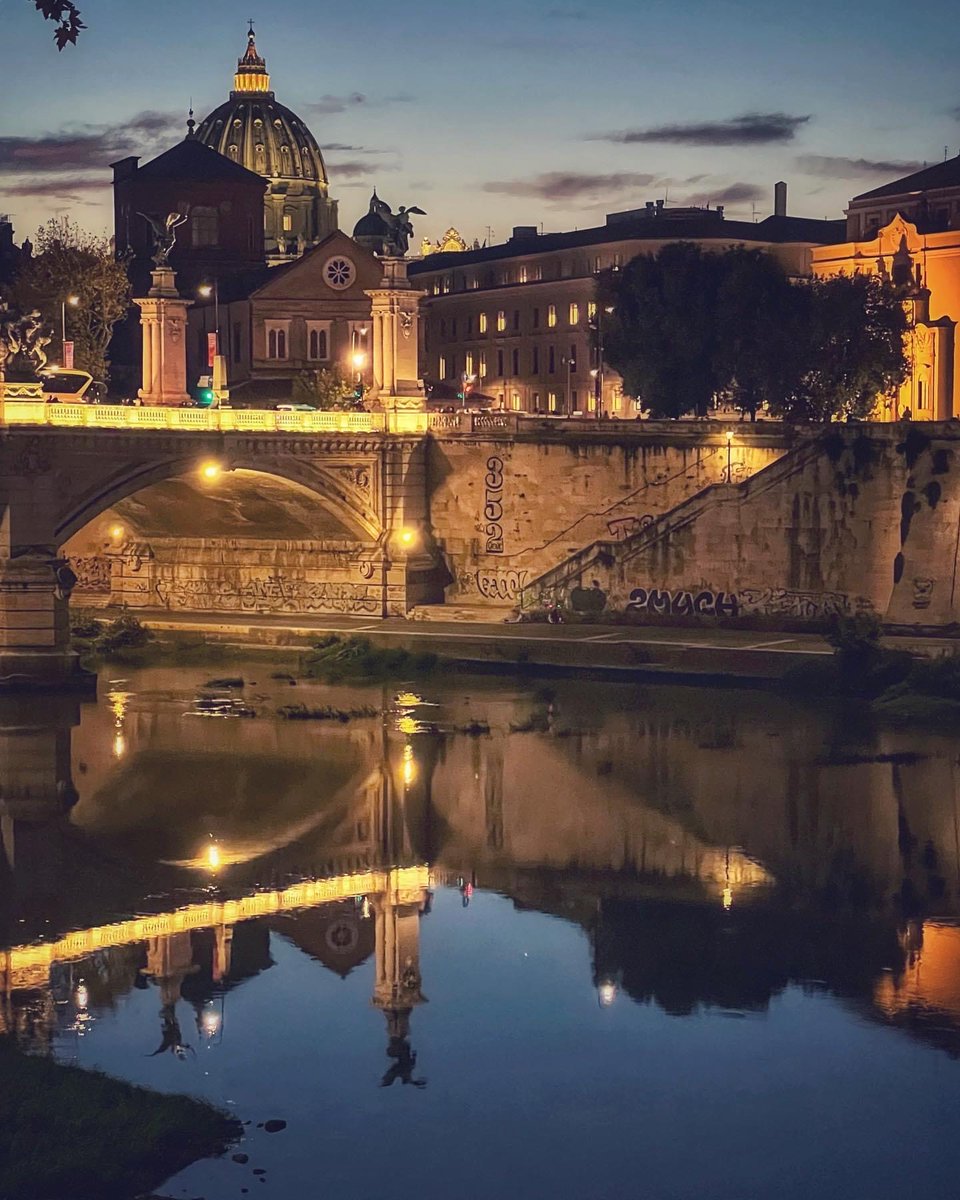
<point x="751" y="129"/>
<point x="87" y="147"/>
<point x="560" y="186"/>
<point x="733" y="193"/>
<point x="338" y="104"/>
<point x="355" y="169"/>
<point x="63" y="187"/>
<point x="845" y="168"/>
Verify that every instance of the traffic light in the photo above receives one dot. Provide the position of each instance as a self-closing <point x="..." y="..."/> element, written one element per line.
<point x="206" y="396"/>
<point x="461" y="396"/>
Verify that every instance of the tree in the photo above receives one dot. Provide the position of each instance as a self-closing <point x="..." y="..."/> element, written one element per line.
<point x="326" y="388"/>
<point x="66" y="18"/>
<point x="663" y="335"/>
<point x="685" y="325"/>
<point x="849" y="347"/>
<point x="67" y="262"/>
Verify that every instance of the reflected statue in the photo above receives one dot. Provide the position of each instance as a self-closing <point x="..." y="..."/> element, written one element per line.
<point x="172" y="1038"/>
<point x="164" y="234"/>
<point x="400" y="1050"/>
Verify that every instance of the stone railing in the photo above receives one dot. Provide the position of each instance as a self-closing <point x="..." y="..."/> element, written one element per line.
<point x="194" y="420"/>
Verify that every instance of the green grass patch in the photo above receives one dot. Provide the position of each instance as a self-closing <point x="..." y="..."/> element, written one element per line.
<point x="66" y="1132"/>
<point x="335" y="660"/>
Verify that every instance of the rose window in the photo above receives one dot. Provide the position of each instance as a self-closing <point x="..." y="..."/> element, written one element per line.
<point x="339" y="272"/>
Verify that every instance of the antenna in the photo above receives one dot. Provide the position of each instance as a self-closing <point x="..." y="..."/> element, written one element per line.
<point x="489" y="236"/>
<point x="754" y="211"/>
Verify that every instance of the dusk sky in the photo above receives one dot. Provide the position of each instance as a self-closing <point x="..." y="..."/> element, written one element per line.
<point x="506" y="113"/>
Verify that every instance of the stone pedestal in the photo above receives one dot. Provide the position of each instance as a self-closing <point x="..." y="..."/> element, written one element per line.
<point x="395" y="316"/>
<point x="163" y="318"/>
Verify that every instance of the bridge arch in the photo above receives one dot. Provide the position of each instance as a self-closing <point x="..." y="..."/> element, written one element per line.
<point x="347" y="493"/>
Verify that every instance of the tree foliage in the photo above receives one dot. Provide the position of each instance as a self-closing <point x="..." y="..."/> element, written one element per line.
<point x="66" y="18"/>
<point x="68" y="261"/>
<point x="326" y="388"/>
<point x="686" y="325"/>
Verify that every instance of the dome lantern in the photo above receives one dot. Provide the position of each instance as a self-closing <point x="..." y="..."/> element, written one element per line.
<point x="251" y="73"/>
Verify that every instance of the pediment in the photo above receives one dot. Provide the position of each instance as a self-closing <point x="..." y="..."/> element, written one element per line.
<point x="336" y="269"/>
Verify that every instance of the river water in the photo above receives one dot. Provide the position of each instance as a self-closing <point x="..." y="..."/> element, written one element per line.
<point x="496" y="938"/>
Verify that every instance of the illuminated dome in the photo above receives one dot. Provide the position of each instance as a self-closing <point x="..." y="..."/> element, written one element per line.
<point x="257" y="132"/>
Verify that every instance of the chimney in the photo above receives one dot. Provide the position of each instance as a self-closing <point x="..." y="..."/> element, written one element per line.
<point x="780" y="199"/>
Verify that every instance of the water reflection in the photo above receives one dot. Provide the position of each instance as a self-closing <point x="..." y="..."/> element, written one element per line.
<point x="714" y="850"/>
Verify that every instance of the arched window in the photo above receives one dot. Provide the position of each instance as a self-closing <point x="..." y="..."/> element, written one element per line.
<point x="276" y="342"/>
<point x="317" y="344"/>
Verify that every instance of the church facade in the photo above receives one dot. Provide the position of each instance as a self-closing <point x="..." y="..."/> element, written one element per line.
<point x="908" y="231"/>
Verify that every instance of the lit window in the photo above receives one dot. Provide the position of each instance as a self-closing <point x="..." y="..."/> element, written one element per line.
<point x="501" y="321"/>
<point x="523" y="274"/>
<point x="482" y="322"/>
<point x="515" y="401"/>
<point x="552" y="315"/>
<point x="443" y="367"/>
<point x="469" y="364"/>
<point x="574" y="313"/>
<point x="287" y="222"/>
<point x="592" y="309"/>
<point x="483" y="365"/>
<point x="552" y="401"/>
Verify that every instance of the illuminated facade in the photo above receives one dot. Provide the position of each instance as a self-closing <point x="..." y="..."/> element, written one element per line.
<point x="254" y="130"/>
<point x="908" y="231"/>
<point x="518" y="316"/>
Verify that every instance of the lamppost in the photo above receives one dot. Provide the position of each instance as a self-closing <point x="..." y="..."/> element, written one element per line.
<point x="207" y="290"/>
<point x="571" y="364"/>
<point x="358" y="358"/>
<point x="597" y="372"/>
<point x="729" y="452"/>
<point x="73" y="301"/>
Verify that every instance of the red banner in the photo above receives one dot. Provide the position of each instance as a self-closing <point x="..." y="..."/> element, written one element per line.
<point x="211" y="348"/>
<point x="68" y="355"/>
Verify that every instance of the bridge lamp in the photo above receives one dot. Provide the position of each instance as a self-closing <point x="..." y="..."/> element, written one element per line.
<point x="408" y="536"/>
<point x="116" y="533"/>
<point x="210" y="472"/>
<point x="729" y="453"/>
<point x="213" y="857"/>
<point x="359" y="360"/>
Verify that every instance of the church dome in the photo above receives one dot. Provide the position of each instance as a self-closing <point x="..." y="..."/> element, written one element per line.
<point x="254" y="130"/>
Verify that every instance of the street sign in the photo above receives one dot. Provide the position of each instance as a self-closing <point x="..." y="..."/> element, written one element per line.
<point x="68" y="355"/>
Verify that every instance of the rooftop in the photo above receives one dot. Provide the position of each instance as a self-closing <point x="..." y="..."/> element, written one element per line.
<point x="940" y="175"/>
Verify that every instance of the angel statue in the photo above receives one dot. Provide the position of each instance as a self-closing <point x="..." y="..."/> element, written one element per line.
<point x="23" y="344"/>
<point x="164" y="234"/>
<point x="401" y="227"/>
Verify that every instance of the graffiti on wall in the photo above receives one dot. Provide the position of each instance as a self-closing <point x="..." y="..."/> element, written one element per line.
<point x="766" y="602"/>
<point x="782" y="602"/>
<point x="493" y="505"/>
<point x="666" y="603"/>
<point x="270" y="593"/>
<point x="492" y="585"/>
<point x="624" y="527"/>
<point x="93" y="573"/>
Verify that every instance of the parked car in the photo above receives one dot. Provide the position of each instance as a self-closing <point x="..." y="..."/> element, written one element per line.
<point x="297" y="408"/>
<point x="61" y="386"/>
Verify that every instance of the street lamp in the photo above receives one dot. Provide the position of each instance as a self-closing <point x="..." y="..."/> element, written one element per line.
<point x="73" y="301"/>
<point x="729" y="452"/>
<point x="597" y="373"/>
<point x="207" y="290"/>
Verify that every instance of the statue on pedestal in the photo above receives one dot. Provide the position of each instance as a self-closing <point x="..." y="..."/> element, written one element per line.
<point x="164" y="234"/>
<point x="389" y="235"/>
<point x="23" y="345"/>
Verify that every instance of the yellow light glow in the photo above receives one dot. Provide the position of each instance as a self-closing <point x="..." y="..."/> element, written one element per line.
<point x="408" y="699"/>
<point x="408" y="536"/>
<point x="119" y="745"/>
<point x="409" y="766"/>
<point x="408" y="725"/>
<point x="73" y="301"/>
<point x="727" y="898"/>
<point x="116" y="532"/>
<point x="205" y="289"/>
<point x="729" y="437"/>
<point x="359" y="359"/>
<point x="211" y="471"/>
<point x="606" y="993"/>
<point x="210" y="1022"/>
<point x="214" y="857"/>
